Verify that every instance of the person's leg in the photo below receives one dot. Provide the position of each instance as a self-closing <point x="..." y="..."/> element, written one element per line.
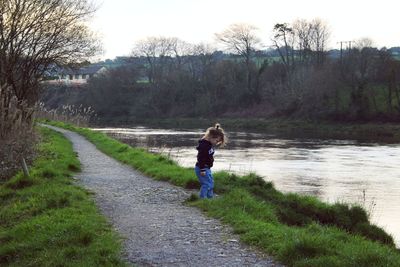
<point x="210" y="180"/>
<point x="203" y="182"/>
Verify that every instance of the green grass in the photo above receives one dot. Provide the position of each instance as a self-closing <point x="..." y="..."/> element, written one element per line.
<point x="47" y="220"/>
<point x="297" y="230"/>
<point x="311" y="245"/>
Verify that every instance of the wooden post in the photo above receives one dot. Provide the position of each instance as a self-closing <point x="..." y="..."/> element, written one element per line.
<point x="25" y="168"/>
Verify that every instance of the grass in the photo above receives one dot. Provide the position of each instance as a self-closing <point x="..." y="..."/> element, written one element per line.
<point x="47" y="220"/>
<point x="311" y="245"/>
<point x="297" y="230"/>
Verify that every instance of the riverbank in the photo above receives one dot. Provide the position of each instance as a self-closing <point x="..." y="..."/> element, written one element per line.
<point x="369" y="132"/>
<point x="297" y="230"/>
<point x="47" y="220"/>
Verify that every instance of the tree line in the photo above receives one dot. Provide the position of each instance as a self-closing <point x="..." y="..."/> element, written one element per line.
<point x="167" y="77"/>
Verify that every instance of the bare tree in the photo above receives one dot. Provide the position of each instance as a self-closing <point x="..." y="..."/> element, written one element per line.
<point x="33" y="35"/>
<point x="364" y="43"/>
<point x="37" y="33"/>
<point x="241" y="39"/>
<point x="300" y="45"/>
<point x="311" y="39"/>
<point x="157" y="51"/>
<point x="303" y="32"/>
<point x="180" y="49"/>
<point x="319" y="36"/>
<point x="148" y="49"/>
<point x="200" y="59"/>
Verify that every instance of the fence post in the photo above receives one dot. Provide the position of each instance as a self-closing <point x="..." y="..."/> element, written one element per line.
<point x="25" y="168"/>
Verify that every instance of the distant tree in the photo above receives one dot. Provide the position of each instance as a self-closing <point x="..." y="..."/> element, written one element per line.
<point x="243" y="40"/>
<point x="386" y="74"/>
<point x="157" y="51"/>
<point x="364" y="43"/>
<point x="303" y="32"/>
<point x="359" y="72"/>
<point x="319" y="38"/>
<point x="284" y="40"/>
<point x="148" y="49"/>
<point x="200" y="59"/>
<point x="311" y="38"/>
<point x="180" y="49"/>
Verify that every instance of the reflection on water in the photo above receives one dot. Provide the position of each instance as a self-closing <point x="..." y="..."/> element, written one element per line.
<point x="333" y="170"/>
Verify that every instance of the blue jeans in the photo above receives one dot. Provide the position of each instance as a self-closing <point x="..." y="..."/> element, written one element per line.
<point x="206" y="181"/>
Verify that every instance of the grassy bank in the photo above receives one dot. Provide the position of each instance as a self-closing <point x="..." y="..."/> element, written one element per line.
<point x="297" y="230"/>
<point x="47" y="220"/>
<point x="375" y="132"/>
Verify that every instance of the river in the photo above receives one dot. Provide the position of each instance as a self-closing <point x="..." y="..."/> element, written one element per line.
<point x="333" y="170"/>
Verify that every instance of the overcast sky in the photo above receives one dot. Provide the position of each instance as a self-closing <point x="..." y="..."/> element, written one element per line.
<point x="121" y="23"/>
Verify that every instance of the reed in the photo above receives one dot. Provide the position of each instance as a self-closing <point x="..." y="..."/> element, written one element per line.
<point x="17" y="136"/>
<point x="77" y="115"/>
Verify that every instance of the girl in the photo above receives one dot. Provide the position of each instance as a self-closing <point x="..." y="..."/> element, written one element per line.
<point x="205" y="158"/>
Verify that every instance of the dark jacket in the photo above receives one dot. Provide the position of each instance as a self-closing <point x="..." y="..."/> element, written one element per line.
<point x="205" y="155"/>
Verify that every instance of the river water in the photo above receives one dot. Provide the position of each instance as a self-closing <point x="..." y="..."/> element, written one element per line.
<point x="332" y="170"/>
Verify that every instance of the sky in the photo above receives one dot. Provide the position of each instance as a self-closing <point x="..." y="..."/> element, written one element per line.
<point x="121" y="23"/>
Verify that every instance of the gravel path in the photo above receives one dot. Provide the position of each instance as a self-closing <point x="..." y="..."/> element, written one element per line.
<point x="158" y="229"/>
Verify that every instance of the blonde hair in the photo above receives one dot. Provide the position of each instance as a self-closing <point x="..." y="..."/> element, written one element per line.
<point x="215" y="132"/>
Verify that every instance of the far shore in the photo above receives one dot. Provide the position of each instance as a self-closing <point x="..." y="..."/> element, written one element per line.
<point x="365" y="132"/>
